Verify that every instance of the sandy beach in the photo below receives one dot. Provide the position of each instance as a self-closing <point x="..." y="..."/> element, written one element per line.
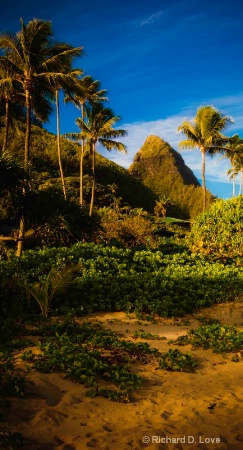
<point x="172" y="410"/>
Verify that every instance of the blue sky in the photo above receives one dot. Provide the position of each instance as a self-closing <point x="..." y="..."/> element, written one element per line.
<point x="159" y="60"/>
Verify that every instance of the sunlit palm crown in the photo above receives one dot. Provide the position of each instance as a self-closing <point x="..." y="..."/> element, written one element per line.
<point x="34" y="57"/>
<point x="205" y="130"/>
<point x="99" y="127"/>
<point x="86" y="89"/>
<point x="234" y="147"/>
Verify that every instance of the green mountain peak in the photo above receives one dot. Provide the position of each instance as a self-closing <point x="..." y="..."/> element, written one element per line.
<point x="163" y="170"/>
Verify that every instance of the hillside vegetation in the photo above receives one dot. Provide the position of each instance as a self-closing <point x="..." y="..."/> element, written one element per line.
<point x="158" y="170"/>
<point x="163" y="170"/>
<point x="45" y="170"/>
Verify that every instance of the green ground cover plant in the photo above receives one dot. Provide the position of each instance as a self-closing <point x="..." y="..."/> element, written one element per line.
<point x="99" y="359"/>
<point x="175" y="360"/>
<point x="10" y="386"/>
<point x="220" y="338"/>
<point x="149" y="336"/>
<point x="91" y="355"/>
<point x="113" y="279"/>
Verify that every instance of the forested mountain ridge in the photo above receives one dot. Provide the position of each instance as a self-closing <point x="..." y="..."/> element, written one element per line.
<point x="157" y="171"/>
<point x="45" y="170"/>
<point x="163" y="170"/>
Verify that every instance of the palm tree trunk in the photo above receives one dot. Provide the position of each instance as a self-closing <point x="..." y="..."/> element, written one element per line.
<point x="233" y="171"/>
<point x="93" y="184"/>
<point x="81" y="161"/>
<point x="21" y="236"/>
<point x="20" y="244"/>
<point x="241" y="182"/>
<point x="58" y="145"/>
<point x="28" y="128"/>
<point x="6" y="126"/>
<point x="203" y="178"/>
<point x="81" y="173"/>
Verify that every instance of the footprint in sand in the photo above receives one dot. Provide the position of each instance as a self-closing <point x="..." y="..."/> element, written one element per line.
<point x="48" y="390"/>
<point x="47" y="417"/>
<point x="107" y="428"/>
<point x="166" y="415"/>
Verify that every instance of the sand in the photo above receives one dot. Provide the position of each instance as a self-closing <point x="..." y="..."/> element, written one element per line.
<point x="173" y="410"/>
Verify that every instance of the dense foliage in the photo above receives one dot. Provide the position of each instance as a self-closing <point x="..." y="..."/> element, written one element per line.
<point x="219" y="231"/>
<point x="44" y="163"/>
<point x="109" y="279"/>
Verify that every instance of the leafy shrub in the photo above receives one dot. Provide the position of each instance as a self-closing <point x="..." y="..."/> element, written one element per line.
<point x="56" y="221"/>
<point x="219" y="230"/>
<point x="113" y="279"/>
<point x="136" y="230"/>
<point x="177" y="361"/>
<point x="131" y="229"/>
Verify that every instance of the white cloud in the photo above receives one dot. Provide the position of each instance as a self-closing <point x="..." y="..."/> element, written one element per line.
<point x="150" y="19"/>
<point x="139" y="131"/>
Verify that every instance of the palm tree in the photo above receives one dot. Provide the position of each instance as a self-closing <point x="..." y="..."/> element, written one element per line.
<point x="6" y="90"/>
<point x="204" y="132"/>
<point x="8" y="93"/>
<point x="64" y="81"/>
<point x="237" y="168"/>
<point x="99" y="128"/>
<point x="34" y="59"/>
<point x="85" y="90"/>
<point x="162" y="205"/>
<point x="233" y="150"/>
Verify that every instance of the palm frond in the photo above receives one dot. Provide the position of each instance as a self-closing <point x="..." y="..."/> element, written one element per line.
<point x="56" y="282"/>
<point x="187" y="143"/>
<point x="109" y="145"/>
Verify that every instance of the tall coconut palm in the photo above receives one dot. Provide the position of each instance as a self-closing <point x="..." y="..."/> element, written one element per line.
<point x="99" y="127"/>
<point x="64" y="81"/>
<point x="204" y="132"/>
<point x="85" y="90"/>
<point x="8" y="94"/>
<point x="232" y="150"/>
<point x="33" y="58"/>
<point x="6" y="89"/>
